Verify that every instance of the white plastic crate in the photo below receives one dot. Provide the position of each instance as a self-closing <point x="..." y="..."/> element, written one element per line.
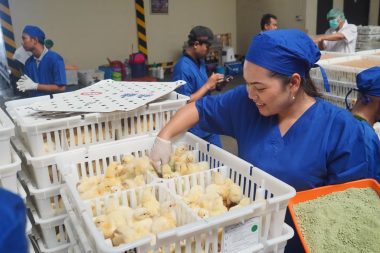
<point x="375" y="52"/>
<point x="52" y="230"/>
<point x="41" y="170"/>
<point x="76" y="234"/>
<point x="72" y="77"/>
<point x="90" y="76"/>
<point x="75" y="164"/>
<point x="368" y="37"/>
<point x="370" y="29"/>
<point x="47" y="201"/>
<point x="8" y="173"/>
<point x="337" y="88"/>
<point x="248" y="177"/>
<point x="338" y="72"/>
<point x="6" y="132"/>
<point x="132" y="198"/>
<point x="338" y="101"/>
<point x="328" y="55"/>
<point x="45" y="133"/>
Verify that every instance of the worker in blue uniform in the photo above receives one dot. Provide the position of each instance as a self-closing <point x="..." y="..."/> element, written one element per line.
<point x="191" y="68"/>
<point x="12" y="223"/>
<point x="45" y="69"/>
<point x="280" y="123"/>
<point x="367" y="111"/>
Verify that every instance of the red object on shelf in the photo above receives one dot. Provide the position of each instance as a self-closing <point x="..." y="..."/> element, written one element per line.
<point x="118" y="65"/>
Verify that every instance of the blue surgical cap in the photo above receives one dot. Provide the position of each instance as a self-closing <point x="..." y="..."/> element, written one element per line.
<point x="286" y="52"/>
<point x="35" y="31"/>
<point x="368" y="81"/>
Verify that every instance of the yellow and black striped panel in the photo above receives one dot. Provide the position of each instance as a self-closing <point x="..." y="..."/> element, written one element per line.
<point x="8" y="36"/>
<point x="141" y="32"/>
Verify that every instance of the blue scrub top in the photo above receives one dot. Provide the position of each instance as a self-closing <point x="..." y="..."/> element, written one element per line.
<point x="372" y="145"/>
<point x="195" y="75"/>
<point x="51" y="70"/>
<point x="324" y="146"/>
<point x="12" y="223"/>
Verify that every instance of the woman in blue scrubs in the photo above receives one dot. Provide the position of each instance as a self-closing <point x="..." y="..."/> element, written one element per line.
<point x="279" y="122"/>
<point x="367" y="111"/>
<point x="191" y="68"/>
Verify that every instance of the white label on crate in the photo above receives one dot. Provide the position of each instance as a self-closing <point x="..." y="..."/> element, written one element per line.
<point x="238" y="237"/>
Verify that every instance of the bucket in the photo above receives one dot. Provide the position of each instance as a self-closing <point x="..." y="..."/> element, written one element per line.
<point x="107" y="71"/>
<point x="138" y="70"/>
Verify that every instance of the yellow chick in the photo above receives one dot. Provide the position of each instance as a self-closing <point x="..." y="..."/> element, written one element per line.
<point x="203" y="213"/>
<point x="167" y="171"/>
<point x="243" y="202"/>
<point x="143" y="227"/>
<point x="124" y="234"/>
<point x="183" y="169"/>
<point x="128" y="158"/>
<point x="87" y="183"/>
<point x="109" y="185"/>
<point x="103" y="223"/>
<point x="139" y="180"/>
<point x="180" y="150"/>
<point x="140" y="213"/>
<point x="111" y="170"/>
<point x="141" y="166"/>
<point x="235" y="195"/>
<point x="218" y="178"/>
<point x="194" y="196"/>
<point x="116" y="217"/>
<point x="90" y="193"/>
<point x="150" y="202"/>
<point x="224" y="189"/>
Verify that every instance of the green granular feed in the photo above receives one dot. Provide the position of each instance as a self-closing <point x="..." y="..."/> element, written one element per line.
<point x="346" y="221"/>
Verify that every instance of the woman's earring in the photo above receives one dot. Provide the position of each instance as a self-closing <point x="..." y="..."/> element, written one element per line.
<point x="293" y="97"/>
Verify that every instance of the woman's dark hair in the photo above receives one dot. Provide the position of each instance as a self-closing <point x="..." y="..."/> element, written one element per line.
<point x="306" y="83"/>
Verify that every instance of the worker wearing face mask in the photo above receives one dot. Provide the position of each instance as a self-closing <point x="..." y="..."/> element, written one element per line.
<point x="367" y="111"/>
<point x="340" y="37"/>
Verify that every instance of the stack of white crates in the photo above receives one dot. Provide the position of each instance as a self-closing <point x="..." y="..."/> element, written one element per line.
<point x="341" y="73"/>
<point x="10" y="162"/>
<point x="268" y="195"/>
<point x="41" y="137"/>
<point x="368" y="38"/>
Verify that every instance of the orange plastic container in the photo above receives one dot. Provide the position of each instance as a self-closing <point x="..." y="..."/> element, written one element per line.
<point x="318" y="192"/>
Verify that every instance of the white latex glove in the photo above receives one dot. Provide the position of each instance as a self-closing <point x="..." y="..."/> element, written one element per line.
<point x="25" y="83"/>
<point x="160" y="153"/>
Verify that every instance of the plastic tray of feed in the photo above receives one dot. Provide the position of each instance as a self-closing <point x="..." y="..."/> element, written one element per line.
<point x="338" y="218"/>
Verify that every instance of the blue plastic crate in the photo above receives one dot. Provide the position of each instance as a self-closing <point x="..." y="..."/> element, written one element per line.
<point x="234" y="68"/>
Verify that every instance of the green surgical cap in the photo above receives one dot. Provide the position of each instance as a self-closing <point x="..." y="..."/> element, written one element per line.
<point x="334" y="13"/>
